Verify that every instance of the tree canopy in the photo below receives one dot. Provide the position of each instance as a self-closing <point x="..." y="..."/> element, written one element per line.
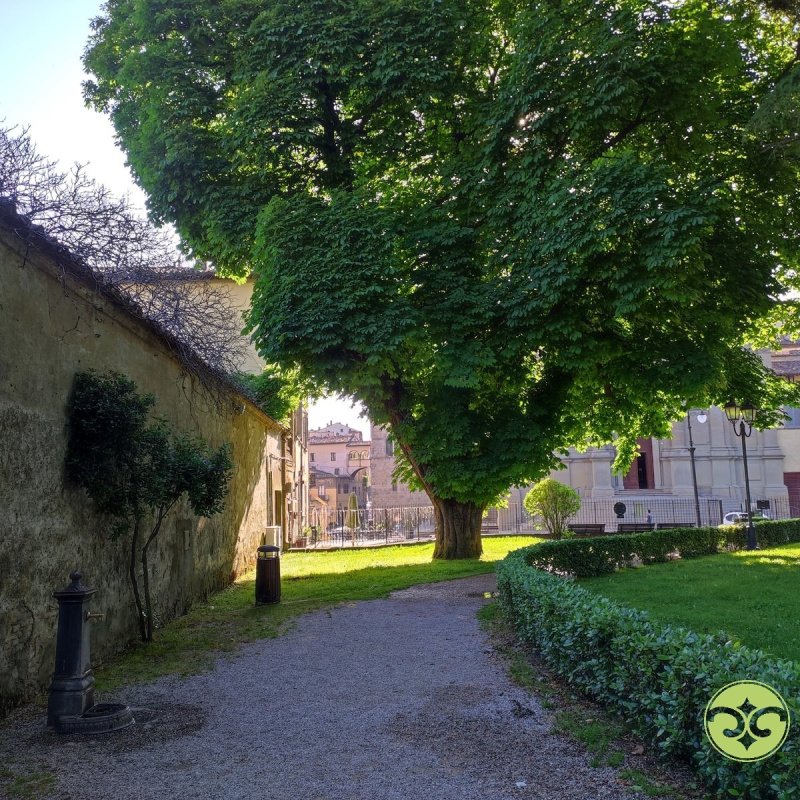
<point x="507" y="228"/>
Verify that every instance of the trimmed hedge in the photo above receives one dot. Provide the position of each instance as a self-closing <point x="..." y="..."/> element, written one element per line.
<point x="659" y="678"/>
<point x="587" y="558"/>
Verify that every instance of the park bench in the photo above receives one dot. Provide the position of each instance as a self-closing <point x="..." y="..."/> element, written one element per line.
<point x="634" y="527"/>
<point x="588" y="529"/>
<point x="665" y="526"/>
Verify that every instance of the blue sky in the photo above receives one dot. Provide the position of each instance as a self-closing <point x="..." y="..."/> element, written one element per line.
<point x="41" y="43"/>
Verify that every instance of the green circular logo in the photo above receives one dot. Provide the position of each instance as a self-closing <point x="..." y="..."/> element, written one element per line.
<point x="747" y="721"/>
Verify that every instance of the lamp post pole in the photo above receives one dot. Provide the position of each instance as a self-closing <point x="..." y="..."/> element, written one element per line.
<point x="694" y="471"/>
<point x="742" y="417"/>
<point x="752" y="543"/>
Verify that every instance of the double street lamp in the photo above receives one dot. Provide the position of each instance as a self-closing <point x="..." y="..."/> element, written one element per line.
<point x="742" y="418"/>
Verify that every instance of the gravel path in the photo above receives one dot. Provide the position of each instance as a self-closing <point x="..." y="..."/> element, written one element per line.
<point x="395" y="698"/>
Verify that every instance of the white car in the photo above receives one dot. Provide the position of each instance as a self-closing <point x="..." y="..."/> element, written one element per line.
<point x="740" y="517"/>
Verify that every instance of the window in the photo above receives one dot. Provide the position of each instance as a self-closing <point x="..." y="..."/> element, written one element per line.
<point x="321" y="490"/>
<point x="389" y="447"/>
<point x="311" y="456"/>
<point x="333" y="456"/>
<point x="336" y="471"/>
<point x="394" y="486"/>
<point x="345" y="488"/>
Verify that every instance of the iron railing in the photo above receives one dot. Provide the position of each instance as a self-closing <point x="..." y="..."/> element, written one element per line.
<point x="398" y="524"/>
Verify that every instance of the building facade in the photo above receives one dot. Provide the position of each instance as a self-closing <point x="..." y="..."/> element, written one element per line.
<point x="289" y="489"/>
<point x="339" y="461"/>
<point x="385" y="492"/>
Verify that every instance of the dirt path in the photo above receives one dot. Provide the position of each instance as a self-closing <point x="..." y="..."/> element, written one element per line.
<point x="396" y="698"/>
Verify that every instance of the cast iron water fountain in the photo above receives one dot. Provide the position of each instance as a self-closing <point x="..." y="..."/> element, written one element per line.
<point x="71" y="707"/>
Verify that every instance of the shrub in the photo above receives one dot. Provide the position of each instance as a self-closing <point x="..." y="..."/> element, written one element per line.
<point x="658" y="677"/>
<point x="555" y="503"/>
<point x="132" y="469"/>
<point x="587" y="558"/>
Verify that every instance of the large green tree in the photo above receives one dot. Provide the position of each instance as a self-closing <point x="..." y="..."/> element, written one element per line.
<point x="506" y="227"/>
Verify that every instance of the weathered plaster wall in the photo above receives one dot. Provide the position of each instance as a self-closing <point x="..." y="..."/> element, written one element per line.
<point x="51" y="326"/>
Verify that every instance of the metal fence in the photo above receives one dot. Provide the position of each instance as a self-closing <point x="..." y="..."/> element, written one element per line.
<point x="376" y="526"/>
<point x="344" y="527"/>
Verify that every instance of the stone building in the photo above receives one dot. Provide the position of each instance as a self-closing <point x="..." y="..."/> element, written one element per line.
<point x="385" y="492"/>
<point x="339" y="461"/>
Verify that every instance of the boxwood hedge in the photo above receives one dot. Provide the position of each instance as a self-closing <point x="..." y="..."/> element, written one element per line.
<point x="658" y="678"/>
<point x="586" y="558"/>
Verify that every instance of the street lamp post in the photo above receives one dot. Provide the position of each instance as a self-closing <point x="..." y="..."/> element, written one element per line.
<point x="701" y="418"/>
<point x="742" y="417"/>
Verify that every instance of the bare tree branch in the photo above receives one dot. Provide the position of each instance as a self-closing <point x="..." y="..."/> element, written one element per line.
<point x="125" y="252"/>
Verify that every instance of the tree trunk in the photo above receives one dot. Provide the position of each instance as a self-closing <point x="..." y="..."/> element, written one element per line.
<point x="458" y="529"/>
<point x="132" y="572"/>
<point x="160" y="514"/>
<point x="148" y="602"/>
<point x="458" y="525"/>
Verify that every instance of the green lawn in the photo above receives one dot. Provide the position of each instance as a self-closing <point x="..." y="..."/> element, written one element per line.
<point x="751" y="596"/>
<point x="309" y="580"/>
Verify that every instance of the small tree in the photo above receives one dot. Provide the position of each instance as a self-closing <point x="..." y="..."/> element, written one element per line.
<point x="555" y="503"/>
<point x="133" y="470"/>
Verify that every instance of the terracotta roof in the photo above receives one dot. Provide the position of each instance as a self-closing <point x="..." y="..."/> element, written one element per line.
<point x="330" y="439"/>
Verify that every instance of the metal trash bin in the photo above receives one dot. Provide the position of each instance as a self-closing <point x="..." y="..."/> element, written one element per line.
<point x="268" y="574"/>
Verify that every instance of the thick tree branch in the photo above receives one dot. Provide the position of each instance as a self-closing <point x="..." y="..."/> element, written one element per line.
<point x="622" y="134"/>
<point x="334" y="149"/>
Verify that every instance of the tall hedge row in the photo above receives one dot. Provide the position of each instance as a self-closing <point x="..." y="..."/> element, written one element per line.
<point x="587" y="558"/>
<point x="659" y="678"/>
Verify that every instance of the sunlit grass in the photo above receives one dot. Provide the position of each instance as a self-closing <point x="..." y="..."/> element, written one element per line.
<point x="750" y="595"/>
<point x="319" y="562"/>
<point x="310" y="580"/>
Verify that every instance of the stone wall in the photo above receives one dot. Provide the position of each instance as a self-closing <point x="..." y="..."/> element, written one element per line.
<point x="53" y="323"/>
<point x="385" y="492"/>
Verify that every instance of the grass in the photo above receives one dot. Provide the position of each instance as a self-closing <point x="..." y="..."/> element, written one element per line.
<point x="519" y="667"/>
<point x="310" y="580"/>
<point x="24" y="784"/>
<point x="597" y="735"/>
<point x="749" y="595"/>
<point x="638" y="781"/>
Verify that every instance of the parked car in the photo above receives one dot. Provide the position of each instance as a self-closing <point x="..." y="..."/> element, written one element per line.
<point x="740" y="517"/>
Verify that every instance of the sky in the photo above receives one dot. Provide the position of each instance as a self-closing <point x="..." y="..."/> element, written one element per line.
<point x="41" y="43"/>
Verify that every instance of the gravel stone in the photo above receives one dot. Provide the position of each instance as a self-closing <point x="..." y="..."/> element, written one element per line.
<point x="379" y="700"/>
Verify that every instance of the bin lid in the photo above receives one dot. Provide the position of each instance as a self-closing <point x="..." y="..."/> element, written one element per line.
<point x="269" y="548"/>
